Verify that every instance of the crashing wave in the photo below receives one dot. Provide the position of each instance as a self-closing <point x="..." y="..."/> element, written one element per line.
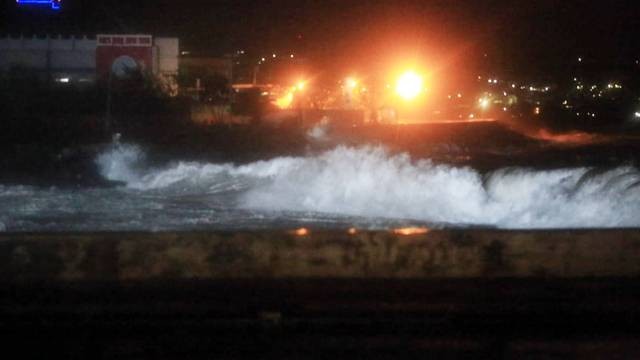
<point x="371" y="182"/>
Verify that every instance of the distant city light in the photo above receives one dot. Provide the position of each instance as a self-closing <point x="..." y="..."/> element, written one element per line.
<point x="411" y="231"/>
<point x="637" y="115"/>
<point x="64" y="80"/>
<point x="484" y="103"/>
<point x="301" y="232"/>
<point x="285" y="101"/>
<point x="274" y="56"/>
<point x="301" y="85"/>
<point x="409" y="85"/>
<point x="291" y="56"/>
<point x="350" y="83"/>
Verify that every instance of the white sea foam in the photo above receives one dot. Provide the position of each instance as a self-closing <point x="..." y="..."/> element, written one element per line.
<point x="370" y="182"/>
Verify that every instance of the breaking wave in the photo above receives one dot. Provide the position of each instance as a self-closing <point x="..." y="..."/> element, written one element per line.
<point x="370" y="182"/>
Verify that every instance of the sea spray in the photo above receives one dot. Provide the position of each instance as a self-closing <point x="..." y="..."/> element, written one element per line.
<point x="370" y="182"/>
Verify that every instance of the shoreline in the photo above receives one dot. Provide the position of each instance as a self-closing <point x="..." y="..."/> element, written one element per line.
<point x="483" y="147"/>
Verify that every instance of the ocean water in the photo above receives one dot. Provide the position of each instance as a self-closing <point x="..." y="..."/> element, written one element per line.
<point x="365" y="187"/>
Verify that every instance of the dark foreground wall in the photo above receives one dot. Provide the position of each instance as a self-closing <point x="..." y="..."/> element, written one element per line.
<point x="472" y="294"/>
<point x="481" y="254"/>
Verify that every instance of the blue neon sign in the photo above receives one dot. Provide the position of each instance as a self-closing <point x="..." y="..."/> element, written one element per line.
<point x="54" y="4"/>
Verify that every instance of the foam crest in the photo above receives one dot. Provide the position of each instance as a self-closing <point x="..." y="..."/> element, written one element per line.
<point x="372" y="183"/>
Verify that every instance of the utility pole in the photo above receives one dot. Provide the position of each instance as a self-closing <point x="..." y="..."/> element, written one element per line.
<point x="256" y="69"/>
<point x="108" y="116"/>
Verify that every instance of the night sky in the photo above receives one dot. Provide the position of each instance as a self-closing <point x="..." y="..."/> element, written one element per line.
<point x="524" y="36"/>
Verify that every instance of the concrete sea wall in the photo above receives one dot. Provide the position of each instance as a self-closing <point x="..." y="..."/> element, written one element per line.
<point x="328" y="254"/>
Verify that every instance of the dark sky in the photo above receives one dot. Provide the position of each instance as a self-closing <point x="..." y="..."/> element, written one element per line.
<point x="518" y="34"/>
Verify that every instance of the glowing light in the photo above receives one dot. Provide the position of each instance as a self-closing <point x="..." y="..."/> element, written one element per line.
<point x="55" y="4"/>
<point x="285" y="101"/>
<point x="484" y="103"/>
<point x="411" y="231"/>
<point x="350" y="83"/>
<point x="637" y="115"/>
<point x="291" y="56"/>
<point x="409" y="85"/>
<point x="301" y="232"/>
<point x="352" y="231"/>
<point x="64" y="80"/>
<point x="536" y="110"/>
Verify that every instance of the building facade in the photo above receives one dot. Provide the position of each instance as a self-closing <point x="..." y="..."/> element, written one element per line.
<point x="86" y="60"/>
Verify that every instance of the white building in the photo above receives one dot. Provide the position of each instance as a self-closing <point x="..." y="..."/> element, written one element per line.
<point x="73" y="60"/>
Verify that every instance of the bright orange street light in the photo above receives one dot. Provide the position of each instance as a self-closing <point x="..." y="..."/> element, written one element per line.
<point x="409" y="85"/>
<point x="350" y="83"/>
